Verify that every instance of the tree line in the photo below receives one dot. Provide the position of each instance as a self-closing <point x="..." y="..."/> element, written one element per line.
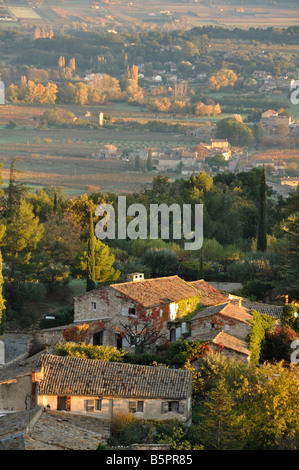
<point x="249" y="236"/>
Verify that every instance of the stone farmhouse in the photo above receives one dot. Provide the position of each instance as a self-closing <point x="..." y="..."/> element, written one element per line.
<point x="164" y="300"/>
<point x="173" y="300"/>
<point x="107" y="388"/>
<point x="119" y="314"/>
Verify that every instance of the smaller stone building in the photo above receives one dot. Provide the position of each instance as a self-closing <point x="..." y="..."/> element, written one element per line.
<point x="105" y="389"/>
<point x="230" y="317"/>
<point x="231" y="346"/>
<point x="226" y="328"/>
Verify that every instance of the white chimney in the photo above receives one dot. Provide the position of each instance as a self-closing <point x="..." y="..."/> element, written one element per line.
<point x="133" y="277"/>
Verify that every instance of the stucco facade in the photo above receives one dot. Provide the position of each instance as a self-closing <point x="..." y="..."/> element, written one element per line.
<point x="107" y="407"/>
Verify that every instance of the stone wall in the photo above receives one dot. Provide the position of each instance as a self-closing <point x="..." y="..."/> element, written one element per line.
<point x="205" y="328"/>
<point x="14" y="426"/>
<point x="16" y="394"/>
<point x="111" y="308"/>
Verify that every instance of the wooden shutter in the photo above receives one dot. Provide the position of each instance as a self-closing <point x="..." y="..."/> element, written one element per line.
<point x="181" y="409"/>
<point x="164" y="407"/>
<point x="68" y="404"/>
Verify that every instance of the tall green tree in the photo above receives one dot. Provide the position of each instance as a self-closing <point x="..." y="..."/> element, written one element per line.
<point x="221" y="423"/>
<point x="149" y="162"/>
<point x="262" y="225"/>
<point x="21" y="244"/>
<point x="14" y="191"/>
<point x="91" y="262"/>
<point x="290" y="256"/>
<point x="104" y="260"/>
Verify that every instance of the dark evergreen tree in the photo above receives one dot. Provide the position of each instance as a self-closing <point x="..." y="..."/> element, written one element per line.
<point x="149" y="162"/>
<point x="14" y="191"/>
<point x="262" y="225"/>
<point x="91" y="275"/>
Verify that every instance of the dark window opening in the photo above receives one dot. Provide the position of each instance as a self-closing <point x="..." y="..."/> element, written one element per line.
<point x="98" y="338"/>
<point x="119" y="342"/>
<point x="173" y="406"/>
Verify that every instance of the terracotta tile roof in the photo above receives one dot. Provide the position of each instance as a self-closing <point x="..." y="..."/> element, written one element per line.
<point x="228" y="309"/>
<point x="87" y="377"/>
<point x="231" y="342"/>
<point x="209" y="294"/>
<point x="158" y="291"/>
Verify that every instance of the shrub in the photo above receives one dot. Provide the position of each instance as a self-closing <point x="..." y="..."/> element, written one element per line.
<point x="256" y="289"/>
<point x="289" y="318"/>
<point x="277" y="345"/>
<point x="88" y="351"/>
<point x="261" y="324"/>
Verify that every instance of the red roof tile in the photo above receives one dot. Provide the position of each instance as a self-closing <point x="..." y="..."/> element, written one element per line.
<point x="158" y="291"/>
<point x="209" y="294"/>
<point x="231" y="342"/>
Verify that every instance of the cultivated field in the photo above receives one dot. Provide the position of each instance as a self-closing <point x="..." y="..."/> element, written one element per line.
<point x="23" y="13"/>
<point x="167" y="14"/>
<point x="63" y="157"/>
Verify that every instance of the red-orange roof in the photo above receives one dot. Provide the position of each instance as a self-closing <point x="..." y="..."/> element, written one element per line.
<point x="232" y="343"/>
<point x="209" y="294"/>
<point x="157" y="291"/>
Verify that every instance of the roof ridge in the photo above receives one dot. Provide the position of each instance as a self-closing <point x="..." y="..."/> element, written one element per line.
<point x="113" y="364"/>
<point x="147" y="280"/>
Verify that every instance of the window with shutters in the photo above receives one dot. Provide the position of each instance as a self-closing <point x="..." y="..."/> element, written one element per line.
<point x="132" y="312"/>
<point x="132" y="406"/>
<point x="98" y="404"/>
<point x="140" y="406"/>
<point x="92" y="404"/>
<point x="173" y="406"/>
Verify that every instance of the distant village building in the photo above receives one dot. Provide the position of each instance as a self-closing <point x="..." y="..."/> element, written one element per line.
<point x="2" y="93"/>
<point x="108" y="151"/>
<point x="272" y="119"/>
<point x="287" y="185"/>
<point x="219" y="147"/>
<point x="278" y="165"/>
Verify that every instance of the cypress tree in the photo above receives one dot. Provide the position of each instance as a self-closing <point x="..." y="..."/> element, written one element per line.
<point x="149" y="163"/>
<point x="262" y="226"/>
<point x="91" y="276"/>
<point x="14" y="191"/>
<point x="55" y="203"/>
<point x="137" y="163"/>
